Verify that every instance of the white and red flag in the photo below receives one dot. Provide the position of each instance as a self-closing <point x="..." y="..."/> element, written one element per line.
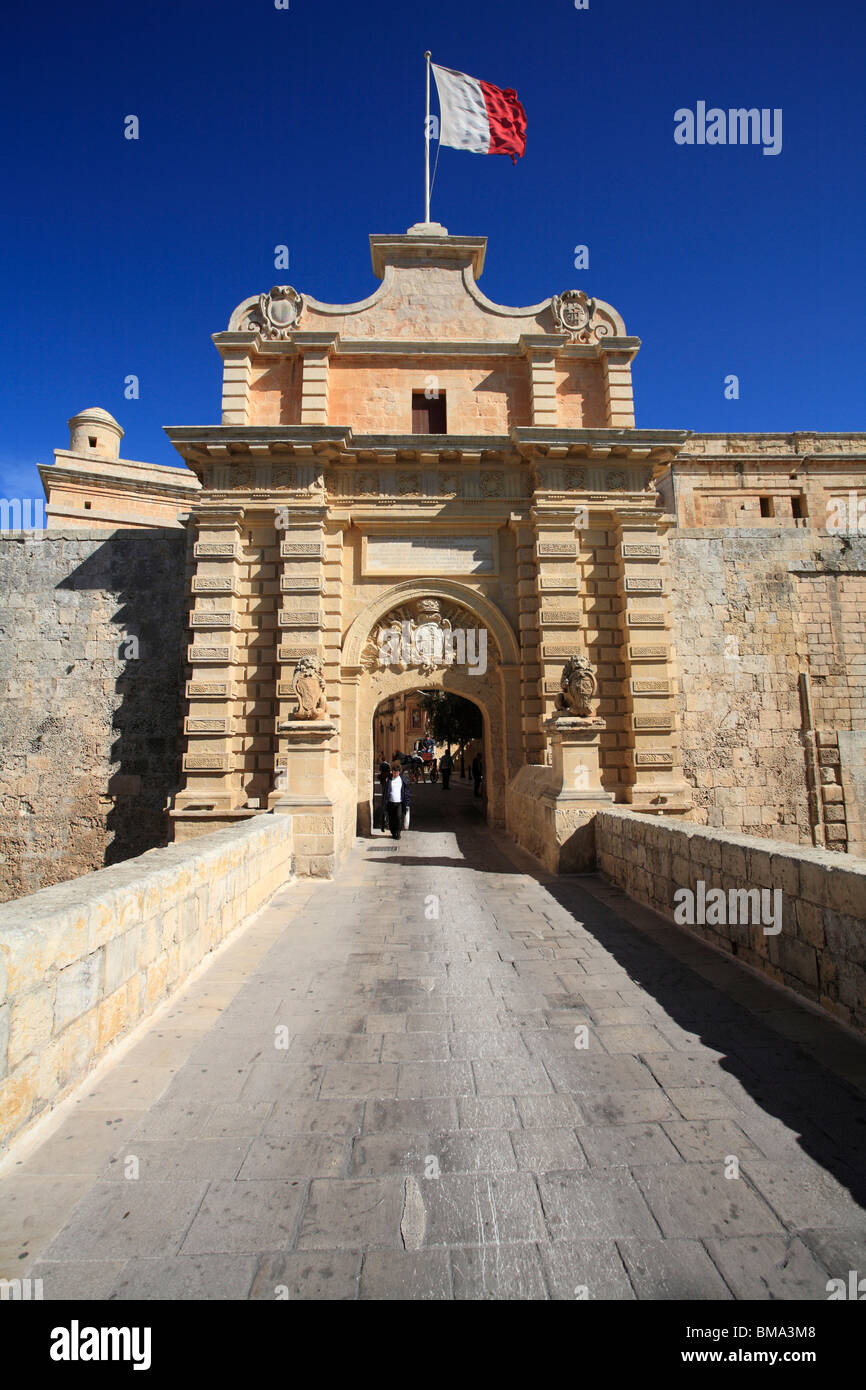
<point x="476" y="116"/>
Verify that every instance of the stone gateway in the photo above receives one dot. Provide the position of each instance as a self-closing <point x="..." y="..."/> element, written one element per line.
<point x="670" y="621"/>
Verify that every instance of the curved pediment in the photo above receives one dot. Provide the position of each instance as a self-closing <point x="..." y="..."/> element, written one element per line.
<point x="429" y="292"/>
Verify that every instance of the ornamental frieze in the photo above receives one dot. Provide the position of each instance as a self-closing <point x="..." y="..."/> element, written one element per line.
<point x="659" y="653"/>
<point x="557" y="549"/>
<point x="658" y="722"/>
<point x="216" y="550"/>
<point x="639" y="687"/>
<point x="206" y="656"/>
<point x="302" y="550"/>
<point x="641" y="585"/>
<point x="492" y="484"/>
<point x="649" y="617"/>
<point x="208" y="690"/>
<point x="196" y="725"/>
<point x="641" y="552"/>
<point x="295" y="651"/>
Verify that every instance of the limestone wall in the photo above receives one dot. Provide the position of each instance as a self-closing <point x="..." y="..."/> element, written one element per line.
<point x="558" y="833"/>
<point x="89" y="720"/>
<point x="82" y="963"/>
<point x="819" y="950"/>
<point x="752" y="612"/>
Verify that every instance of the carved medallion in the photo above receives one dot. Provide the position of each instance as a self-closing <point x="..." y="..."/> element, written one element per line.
<point x="574" y="313"/>
<point x="421" y="635"/>
<point x="277" y="313"/>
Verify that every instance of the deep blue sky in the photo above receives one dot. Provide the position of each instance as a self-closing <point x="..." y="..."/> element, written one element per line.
<point x="262" y="126"/>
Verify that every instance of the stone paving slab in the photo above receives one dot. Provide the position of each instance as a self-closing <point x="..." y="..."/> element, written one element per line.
<point x="535" y="1095"/>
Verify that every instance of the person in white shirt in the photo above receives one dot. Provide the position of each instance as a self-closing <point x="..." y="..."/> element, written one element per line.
<point x="396" y="799"/>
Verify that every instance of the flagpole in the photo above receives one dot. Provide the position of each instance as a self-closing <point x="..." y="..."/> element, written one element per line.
<point x="427" y="148"/>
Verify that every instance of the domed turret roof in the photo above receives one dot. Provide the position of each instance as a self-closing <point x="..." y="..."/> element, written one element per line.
<point x="95" y="412"/>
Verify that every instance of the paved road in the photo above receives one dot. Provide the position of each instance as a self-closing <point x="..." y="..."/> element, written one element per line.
<point x="381" y="1090"/>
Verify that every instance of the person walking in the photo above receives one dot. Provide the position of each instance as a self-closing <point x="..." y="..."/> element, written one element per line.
<point x="477" y="773"/>
<point x="446" y="766"/>
<point x="397" y="799"/>
<point x="384" y="775"/>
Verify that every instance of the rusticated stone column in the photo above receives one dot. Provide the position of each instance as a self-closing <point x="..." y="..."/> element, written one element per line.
<point x="212" y="782"/>
<point x="655" y="780"/>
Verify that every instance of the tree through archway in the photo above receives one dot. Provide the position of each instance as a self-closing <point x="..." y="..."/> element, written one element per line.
<point x="451" y="719"/>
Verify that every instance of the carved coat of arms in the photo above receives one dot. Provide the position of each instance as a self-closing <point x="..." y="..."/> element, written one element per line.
<point x="574" y="312"/>
<point x="577" y="687"/>
<point x="308" y="683"/>
<point x="277" y="312"/>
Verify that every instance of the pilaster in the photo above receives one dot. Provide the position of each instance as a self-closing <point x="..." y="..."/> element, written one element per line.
<point x="301" y="616"/>
<point x="316" y="349"/>
<point x="529" y="636"/>
<point x="212" y="780"/>
<point x="237" y="372"/>
<point x="541" y="355"/>
<point x="654" y="777"/>
<point x="618" y="392"/>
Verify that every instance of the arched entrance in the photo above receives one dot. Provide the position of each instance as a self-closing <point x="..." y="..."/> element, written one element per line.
<point x="399" y="721"/>
<point x="417" y="612"/>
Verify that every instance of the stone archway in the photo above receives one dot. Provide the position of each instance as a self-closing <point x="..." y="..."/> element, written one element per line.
<point x="365" y="683"/>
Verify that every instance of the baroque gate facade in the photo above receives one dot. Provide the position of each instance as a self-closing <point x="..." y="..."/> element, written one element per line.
<point x="428" y="460"/>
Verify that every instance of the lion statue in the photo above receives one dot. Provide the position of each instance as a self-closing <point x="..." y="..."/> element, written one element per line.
<point x="577" y="687"/>
<point x="308" y="683"/>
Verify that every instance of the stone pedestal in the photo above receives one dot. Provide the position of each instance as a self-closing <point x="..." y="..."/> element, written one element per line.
<point x="575" y="744"/>
<point x="574" y="792"/>
<point x="302" y="768"/>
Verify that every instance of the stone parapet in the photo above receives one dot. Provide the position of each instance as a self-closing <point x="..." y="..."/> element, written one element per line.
<point x="803" y="925"/>
<point x="82" y="963"/>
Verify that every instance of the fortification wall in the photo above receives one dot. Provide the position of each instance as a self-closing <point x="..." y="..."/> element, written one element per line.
<point x="753" y="613"/>
<point x="92" y="645"/>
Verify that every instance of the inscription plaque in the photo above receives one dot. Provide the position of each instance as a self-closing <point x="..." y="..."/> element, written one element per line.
<point x="406" y="554"/>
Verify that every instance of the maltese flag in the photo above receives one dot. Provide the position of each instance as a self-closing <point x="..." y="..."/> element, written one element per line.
<point x="477" y="116"/>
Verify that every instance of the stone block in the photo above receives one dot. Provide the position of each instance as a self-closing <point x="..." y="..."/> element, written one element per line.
<point x="31" y="1022"/>
<point x="5" y="1012"/>
<point x="17" y="1098"/>
<point x="845" y="936"/>
<point x="760" y="869"/>
<point x="846" y="890"/>
<point x="810" y="923"/>
<point x="815" y="882"/>
<point x="785" y="871"/>
<point x="79" y="987"/>
<point x="24" y="953"/>
<point x="851" y="980"/>
<point x="795" y="958"/>
<point x="76" y="1051"/>
<point x="115" y="1014"/>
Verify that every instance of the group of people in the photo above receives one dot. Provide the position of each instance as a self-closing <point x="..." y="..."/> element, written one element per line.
<point x="446" y="767"/>
<point x="394" y="782"/>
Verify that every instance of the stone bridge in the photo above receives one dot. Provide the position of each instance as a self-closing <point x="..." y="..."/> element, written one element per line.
<point x="444" y="1074"/>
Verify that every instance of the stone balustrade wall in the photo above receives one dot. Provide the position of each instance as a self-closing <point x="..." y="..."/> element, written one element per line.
<point x="81" y="963"/>
<point x="820" y="948"/>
